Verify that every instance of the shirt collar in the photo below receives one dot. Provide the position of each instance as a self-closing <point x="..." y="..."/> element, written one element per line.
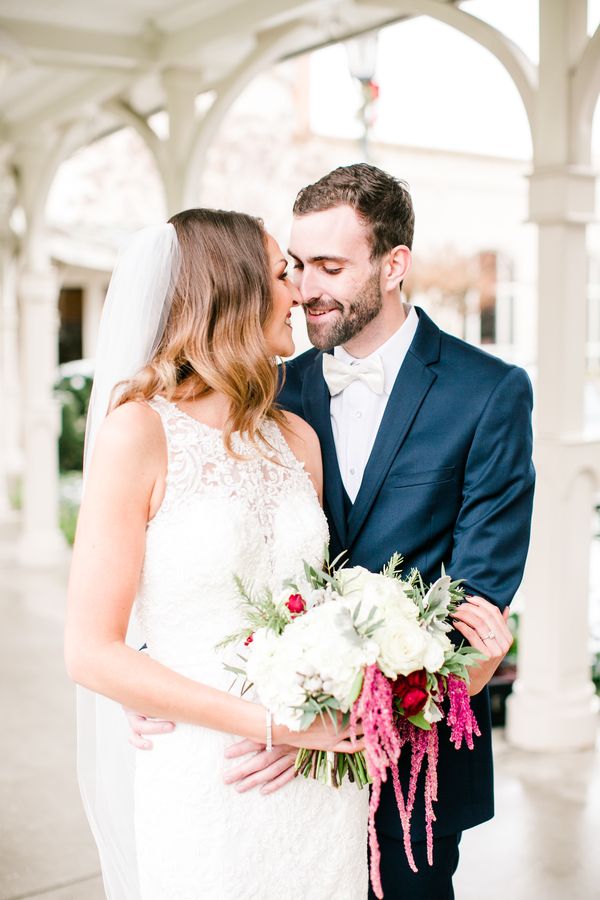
<point x="392" y="352"/>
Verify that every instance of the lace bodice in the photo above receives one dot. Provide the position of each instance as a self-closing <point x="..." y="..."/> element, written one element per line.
<point x="257" y="518"/>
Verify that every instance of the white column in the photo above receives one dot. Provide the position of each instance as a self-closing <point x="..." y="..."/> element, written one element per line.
<point x="41" y="543"/>
<point x="553" y="706"/>
<point x="94" y="293"/>
<point x="9" y="353"/>
<point x="472" y="317"/>
<point x="181" y="90"/>
<point x="504" y="317"/>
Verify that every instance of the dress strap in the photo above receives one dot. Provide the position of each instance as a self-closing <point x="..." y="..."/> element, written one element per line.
<point x="276" y="438"/>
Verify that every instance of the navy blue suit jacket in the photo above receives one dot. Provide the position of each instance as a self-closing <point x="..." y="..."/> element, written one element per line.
<point x="450" y="480"/>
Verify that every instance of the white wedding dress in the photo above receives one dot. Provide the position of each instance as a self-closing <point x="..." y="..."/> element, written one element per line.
<point x="197" y="838"/>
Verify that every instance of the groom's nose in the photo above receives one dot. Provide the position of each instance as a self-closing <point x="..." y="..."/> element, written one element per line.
<point x="308" y="285"/>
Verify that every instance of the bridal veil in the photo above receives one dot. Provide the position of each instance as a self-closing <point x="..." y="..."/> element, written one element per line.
<point x="133" y="321"/>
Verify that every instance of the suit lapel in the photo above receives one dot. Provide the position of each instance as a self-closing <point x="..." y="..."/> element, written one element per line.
<point x="410" y="389"/>
<point x="315" y="403"/>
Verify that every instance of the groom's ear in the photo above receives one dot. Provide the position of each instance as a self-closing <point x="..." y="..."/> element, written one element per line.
<point x="395" y="267"/>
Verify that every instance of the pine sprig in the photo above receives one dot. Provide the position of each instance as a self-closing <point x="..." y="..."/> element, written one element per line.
<point x="393" y="569"/>
<point x="258" y="612"/>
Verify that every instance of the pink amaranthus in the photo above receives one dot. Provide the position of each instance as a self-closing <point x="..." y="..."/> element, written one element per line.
<point x="385" y="734"/>
<point x="461" y="718"/>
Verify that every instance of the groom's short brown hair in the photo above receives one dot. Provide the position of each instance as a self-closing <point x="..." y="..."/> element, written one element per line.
<point x="381" y="200"/>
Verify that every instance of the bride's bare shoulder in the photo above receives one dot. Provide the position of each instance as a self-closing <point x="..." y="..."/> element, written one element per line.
<point x="298" y="431"/>
<point x="132" y="428"/>
<point x="304" y="443"/>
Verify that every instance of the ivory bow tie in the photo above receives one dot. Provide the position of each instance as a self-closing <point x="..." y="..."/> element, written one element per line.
<point x="338" y="375"/>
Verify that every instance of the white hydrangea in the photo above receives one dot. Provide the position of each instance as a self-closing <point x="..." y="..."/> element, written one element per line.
<point x="274" y="675"/>
<point x="333" y="649"/>
<point x="320" y="651"/>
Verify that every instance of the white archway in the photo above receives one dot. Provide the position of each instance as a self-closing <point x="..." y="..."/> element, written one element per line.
<point x="164" y="65"/>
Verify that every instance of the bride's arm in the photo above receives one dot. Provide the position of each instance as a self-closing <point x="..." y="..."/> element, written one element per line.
<point x="123" y="489"/>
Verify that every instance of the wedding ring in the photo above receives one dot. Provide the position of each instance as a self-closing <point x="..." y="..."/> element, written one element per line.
<point x="489" y="636"/>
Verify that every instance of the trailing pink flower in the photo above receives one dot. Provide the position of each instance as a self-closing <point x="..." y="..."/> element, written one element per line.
<point x="385" y="735"/>
<point x="424" y="746"/>
<point x="431" y="785"/>
<point x="375" y="710"/>
<point x="461" y="718"/>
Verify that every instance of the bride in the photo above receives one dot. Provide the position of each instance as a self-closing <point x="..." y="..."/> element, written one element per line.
<point x="196" y="477"/>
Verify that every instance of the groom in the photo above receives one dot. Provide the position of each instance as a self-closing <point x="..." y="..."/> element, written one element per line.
<point x="426" y="446"/>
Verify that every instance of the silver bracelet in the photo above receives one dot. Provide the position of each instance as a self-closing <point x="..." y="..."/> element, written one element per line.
<point x="269" y="723"/>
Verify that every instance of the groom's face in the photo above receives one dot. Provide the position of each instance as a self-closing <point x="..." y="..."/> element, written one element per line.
<point x="338" y="282"/>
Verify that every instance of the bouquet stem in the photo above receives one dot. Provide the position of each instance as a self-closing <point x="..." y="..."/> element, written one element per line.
<point x="330" y="768"/>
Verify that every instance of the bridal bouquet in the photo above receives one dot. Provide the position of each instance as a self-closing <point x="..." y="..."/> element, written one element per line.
<point x="363" y="647"/>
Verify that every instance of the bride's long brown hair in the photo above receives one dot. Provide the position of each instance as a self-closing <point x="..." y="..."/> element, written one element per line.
<point x="213" y="339"/>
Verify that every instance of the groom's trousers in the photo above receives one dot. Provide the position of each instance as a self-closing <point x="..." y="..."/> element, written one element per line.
<point x="399" y="882"/>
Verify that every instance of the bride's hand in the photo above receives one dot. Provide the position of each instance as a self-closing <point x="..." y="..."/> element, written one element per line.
<point x="321" y="735"/>
<point x="486" y="629"/>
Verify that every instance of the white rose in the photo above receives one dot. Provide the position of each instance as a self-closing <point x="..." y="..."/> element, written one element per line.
<point x="439" y="647"/>
<point x="402" y="646"/>
<point x="389" y="596"/>
<point x="353" y="579"/>
<point x="433" y="658"/>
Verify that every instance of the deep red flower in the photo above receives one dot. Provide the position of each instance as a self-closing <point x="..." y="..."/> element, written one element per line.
<point x="417" y="679"/>
<point x="411" y="690"/>
<point x="248" y="640"/>
<point x="296" y="604"/>
<point x="413" y="701"/>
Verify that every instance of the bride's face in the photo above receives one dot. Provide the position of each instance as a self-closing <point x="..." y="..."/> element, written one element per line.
<point x="278" y="328"/>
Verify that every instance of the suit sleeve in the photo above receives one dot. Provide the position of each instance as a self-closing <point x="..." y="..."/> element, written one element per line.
<point x="289" y="396"/>
<point x="491" y="535"/>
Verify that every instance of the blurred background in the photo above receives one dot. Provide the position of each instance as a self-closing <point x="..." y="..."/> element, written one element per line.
<point x="116" y="115"/>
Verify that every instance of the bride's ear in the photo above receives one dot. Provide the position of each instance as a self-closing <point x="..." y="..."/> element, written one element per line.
<point x="395" y="268"/>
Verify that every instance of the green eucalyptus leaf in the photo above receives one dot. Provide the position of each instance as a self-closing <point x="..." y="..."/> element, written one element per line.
<point x="356" y="687"/>
<point x="420" y="721"/>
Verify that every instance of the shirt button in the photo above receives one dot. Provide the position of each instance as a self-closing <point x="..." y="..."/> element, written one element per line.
<point x="358" y="414"/>
<point x="352" y="470"/>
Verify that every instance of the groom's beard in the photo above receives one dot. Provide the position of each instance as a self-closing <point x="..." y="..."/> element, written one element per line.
<point x="351" y="320"/>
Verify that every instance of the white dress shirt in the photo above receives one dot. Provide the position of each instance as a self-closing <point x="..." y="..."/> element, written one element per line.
<point x="357" y="411"/>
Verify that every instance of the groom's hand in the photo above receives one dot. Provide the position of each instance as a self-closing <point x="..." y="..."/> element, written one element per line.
<point x="142" y="726"/>
<point x="269" y="771"/>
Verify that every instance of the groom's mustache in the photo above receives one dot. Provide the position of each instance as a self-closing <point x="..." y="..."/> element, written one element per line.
<point x="316" y="306"/>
